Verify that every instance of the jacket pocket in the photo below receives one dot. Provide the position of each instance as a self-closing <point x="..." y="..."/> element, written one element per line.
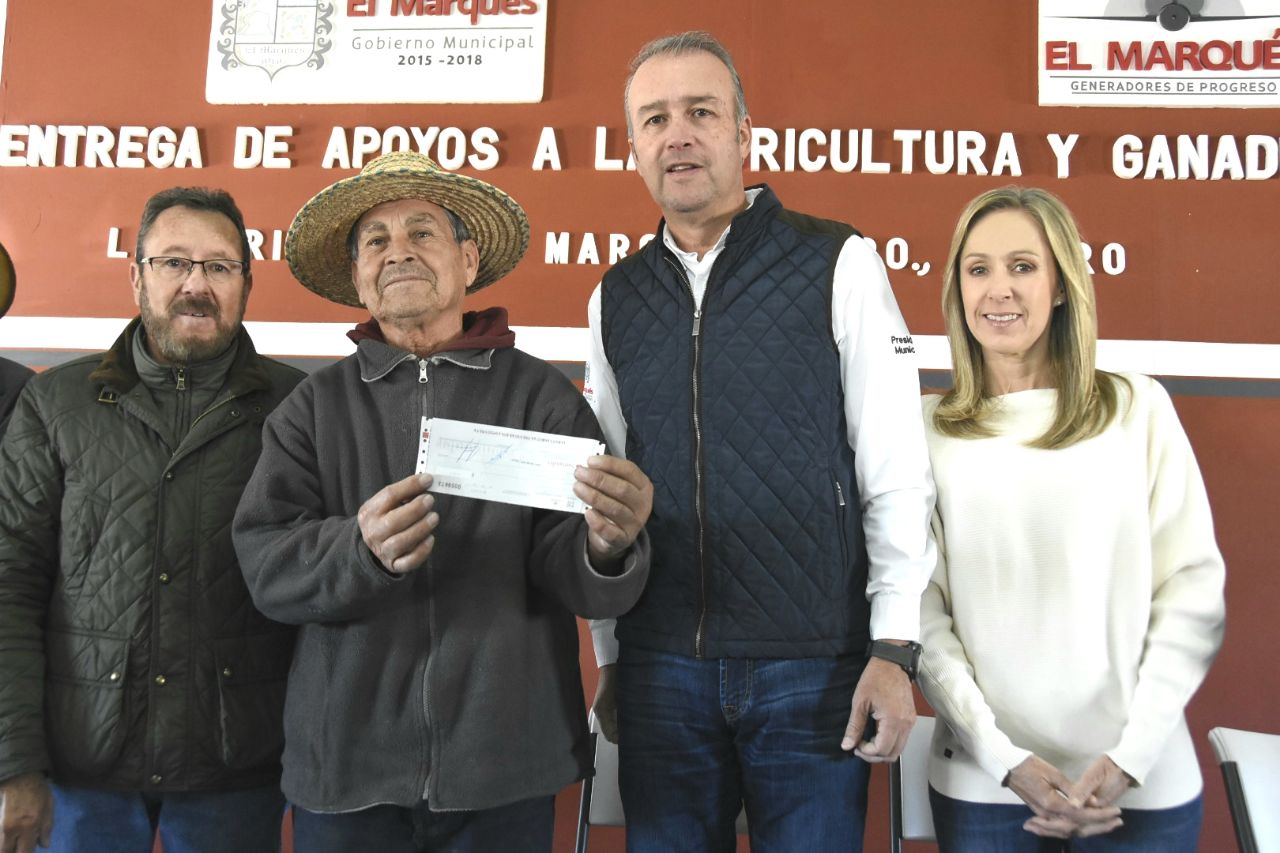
<point x="252" y="674"/>
<point x="83" y="518"/>
<point x="842" y="521"/>
<point x="84" y="699"/>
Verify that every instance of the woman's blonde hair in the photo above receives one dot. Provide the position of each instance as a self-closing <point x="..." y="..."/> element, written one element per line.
<point x="1087" y="397"/>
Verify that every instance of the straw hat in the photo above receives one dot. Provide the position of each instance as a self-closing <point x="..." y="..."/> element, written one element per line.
<point x="8" y="281"/>
<point x="316" y="246"/>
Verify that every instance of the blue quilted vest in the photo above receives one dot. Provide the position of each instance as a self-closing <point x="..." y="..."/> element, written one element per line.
<point x="737" y="415"/>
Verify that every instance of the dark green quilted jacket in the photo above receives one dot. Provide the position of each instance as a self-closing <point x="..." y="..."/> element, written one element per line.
<point x="131" y="657"/>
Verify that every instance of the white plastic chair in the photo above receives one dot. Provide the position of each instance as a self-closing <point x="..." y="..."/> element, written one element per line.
<point x="1250" y="763"/>
<point x="910" y="818"/>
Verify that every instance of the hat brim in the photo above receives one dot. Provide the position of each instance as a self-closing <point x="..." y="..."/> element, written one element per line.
<point x="8" y="282"/>
<point x="316" y="245"/>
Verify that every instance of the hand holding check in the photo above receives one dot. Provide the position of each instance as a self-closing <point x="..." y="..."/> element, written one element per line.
<point x="511" y="466"/>
<point x="399" y="522"/>
<point x="619" y="497"/>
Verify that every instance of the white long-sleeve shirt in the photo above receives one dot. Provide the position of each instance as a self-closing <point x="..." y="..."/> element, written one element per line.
<point x="882" y="409"/>
<point x="1077" y="602"/>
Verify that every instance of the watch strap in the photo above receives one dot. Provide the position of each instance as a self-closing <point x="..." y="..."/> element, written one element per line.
<point x="907" y="657"/>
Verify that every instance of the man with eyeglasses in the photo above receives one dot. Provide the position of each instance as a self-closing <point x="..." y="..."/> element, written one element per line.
<point x="140" y="691"/>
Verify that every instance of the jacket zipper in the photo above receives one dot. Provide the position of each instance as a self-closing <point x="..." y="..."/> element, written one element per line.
<point x="700" y="634"/>
<point x="426" y="693"/>
<point x="152" y="748"/>
<point x="217" y="405"/>
<point x="840" y="512"/>
<point x="151" y="755"/>
<point x="426" y="664"/>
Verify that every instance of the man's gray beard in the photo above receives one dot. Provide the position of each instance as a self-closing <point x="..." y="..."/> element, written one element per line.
<point x="172" y="348"/>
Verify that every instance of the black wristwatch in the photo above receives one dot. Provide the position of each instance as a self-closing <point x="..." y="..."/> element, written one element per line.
<point x="907" y="657"/>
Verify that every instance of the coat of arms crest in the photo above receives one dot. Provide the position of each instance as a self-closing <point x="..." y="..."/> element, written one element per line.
<point x="275" y="34"/>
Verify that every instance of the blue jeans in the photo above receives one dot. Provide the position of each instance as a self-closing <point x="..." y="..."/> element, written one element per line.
<point x="87" y="821"/>
<point x="698" y="739"/>
<point x="964" y="827"/>
<point x="526" y="826"/>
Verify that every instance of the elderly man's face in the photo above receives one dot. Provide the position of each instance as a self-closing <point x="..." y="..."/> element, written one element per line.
<point x="409" y="267"/>
<point x="191" y="317"/>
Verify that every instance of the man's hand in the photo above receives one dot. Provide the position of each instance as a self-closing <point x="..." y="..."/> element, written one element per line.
<point x="26" y="813"/>
<point x="883" y="694"/>
<point x="606" y="705"/>
<point x="398" y="524"/>
<point x="1058" y="813"/>
<point x="620" y="498"/>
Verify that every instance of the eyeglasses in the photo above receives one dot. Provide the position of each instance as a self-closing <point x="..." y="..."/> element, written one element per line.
<point x="217" y="270"/>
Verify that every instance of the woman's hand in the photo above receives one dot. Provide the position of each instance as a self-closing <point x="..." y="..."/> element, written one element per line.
<point x="1102" y="782"/>
<point x="1060" y="812"/>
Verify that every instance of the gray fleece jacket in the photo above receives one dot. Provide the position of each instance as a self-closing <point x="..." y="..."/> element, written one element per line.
<point x="458" y="682"/>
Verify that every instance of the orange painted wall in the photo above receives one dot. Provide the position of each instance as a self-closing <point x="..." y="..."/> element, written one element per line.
<point x="1201" y="256"/>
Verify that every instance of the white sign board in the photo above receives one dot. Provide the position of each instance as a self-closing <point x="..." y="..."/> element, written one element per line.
<point x="376" y="51"/>
<point x="1158" y="53"/>
<point x="4" y="11"/>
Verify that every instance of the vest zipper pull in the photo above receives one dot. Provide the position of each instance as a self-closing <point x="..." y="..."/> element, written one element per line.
<point x="422" y="371"/>
<point x="839" y="493"/>
<point x="181" y="383"/>
<point x="697" y="321"/>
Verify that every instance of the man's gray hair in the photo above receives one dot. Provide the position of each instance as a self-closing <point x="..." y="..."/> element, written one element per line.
<point x="460" y="232"/>
<point x="204" y="199"/>
<point x="692" y="41"/>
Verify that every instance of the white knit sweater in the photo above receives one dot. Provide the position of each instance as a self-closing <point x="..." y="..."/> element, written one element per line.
<point x="1077" y="602"/>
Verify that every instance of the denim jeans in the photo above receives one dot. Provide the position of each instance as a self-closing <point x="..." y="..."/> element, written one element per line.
<point x="698" y="739"/>
<point x="87" y="821"/>
<point x="964" y="827"/>
<point x="526" y="826"/>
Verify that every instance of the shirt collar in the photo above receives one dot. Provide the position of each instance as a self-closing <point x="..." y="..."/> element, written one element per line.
<point x="692" y="257"/>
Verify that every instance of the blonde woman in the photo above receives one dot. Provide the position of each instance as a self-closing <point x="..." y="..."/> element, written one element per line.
<point x="1077" y="602"/>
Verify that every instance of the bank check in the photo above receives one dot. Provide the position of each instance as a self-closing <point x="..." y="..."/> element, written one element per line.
<point x="514" y="466"/>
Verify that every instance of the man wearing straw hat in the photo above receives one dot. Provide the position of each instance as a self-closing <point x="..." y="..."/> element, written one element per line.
<point x="435" y="700"/>
<point x="12" y="375"/>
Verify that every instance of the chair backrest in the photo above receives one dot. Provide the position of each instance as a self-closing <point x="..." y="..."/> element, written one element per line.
<point x="606" y="801"/>
<point x="1250" y="763"/>
<point x="601" y="803"/>
<point x="910" y="818"/>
